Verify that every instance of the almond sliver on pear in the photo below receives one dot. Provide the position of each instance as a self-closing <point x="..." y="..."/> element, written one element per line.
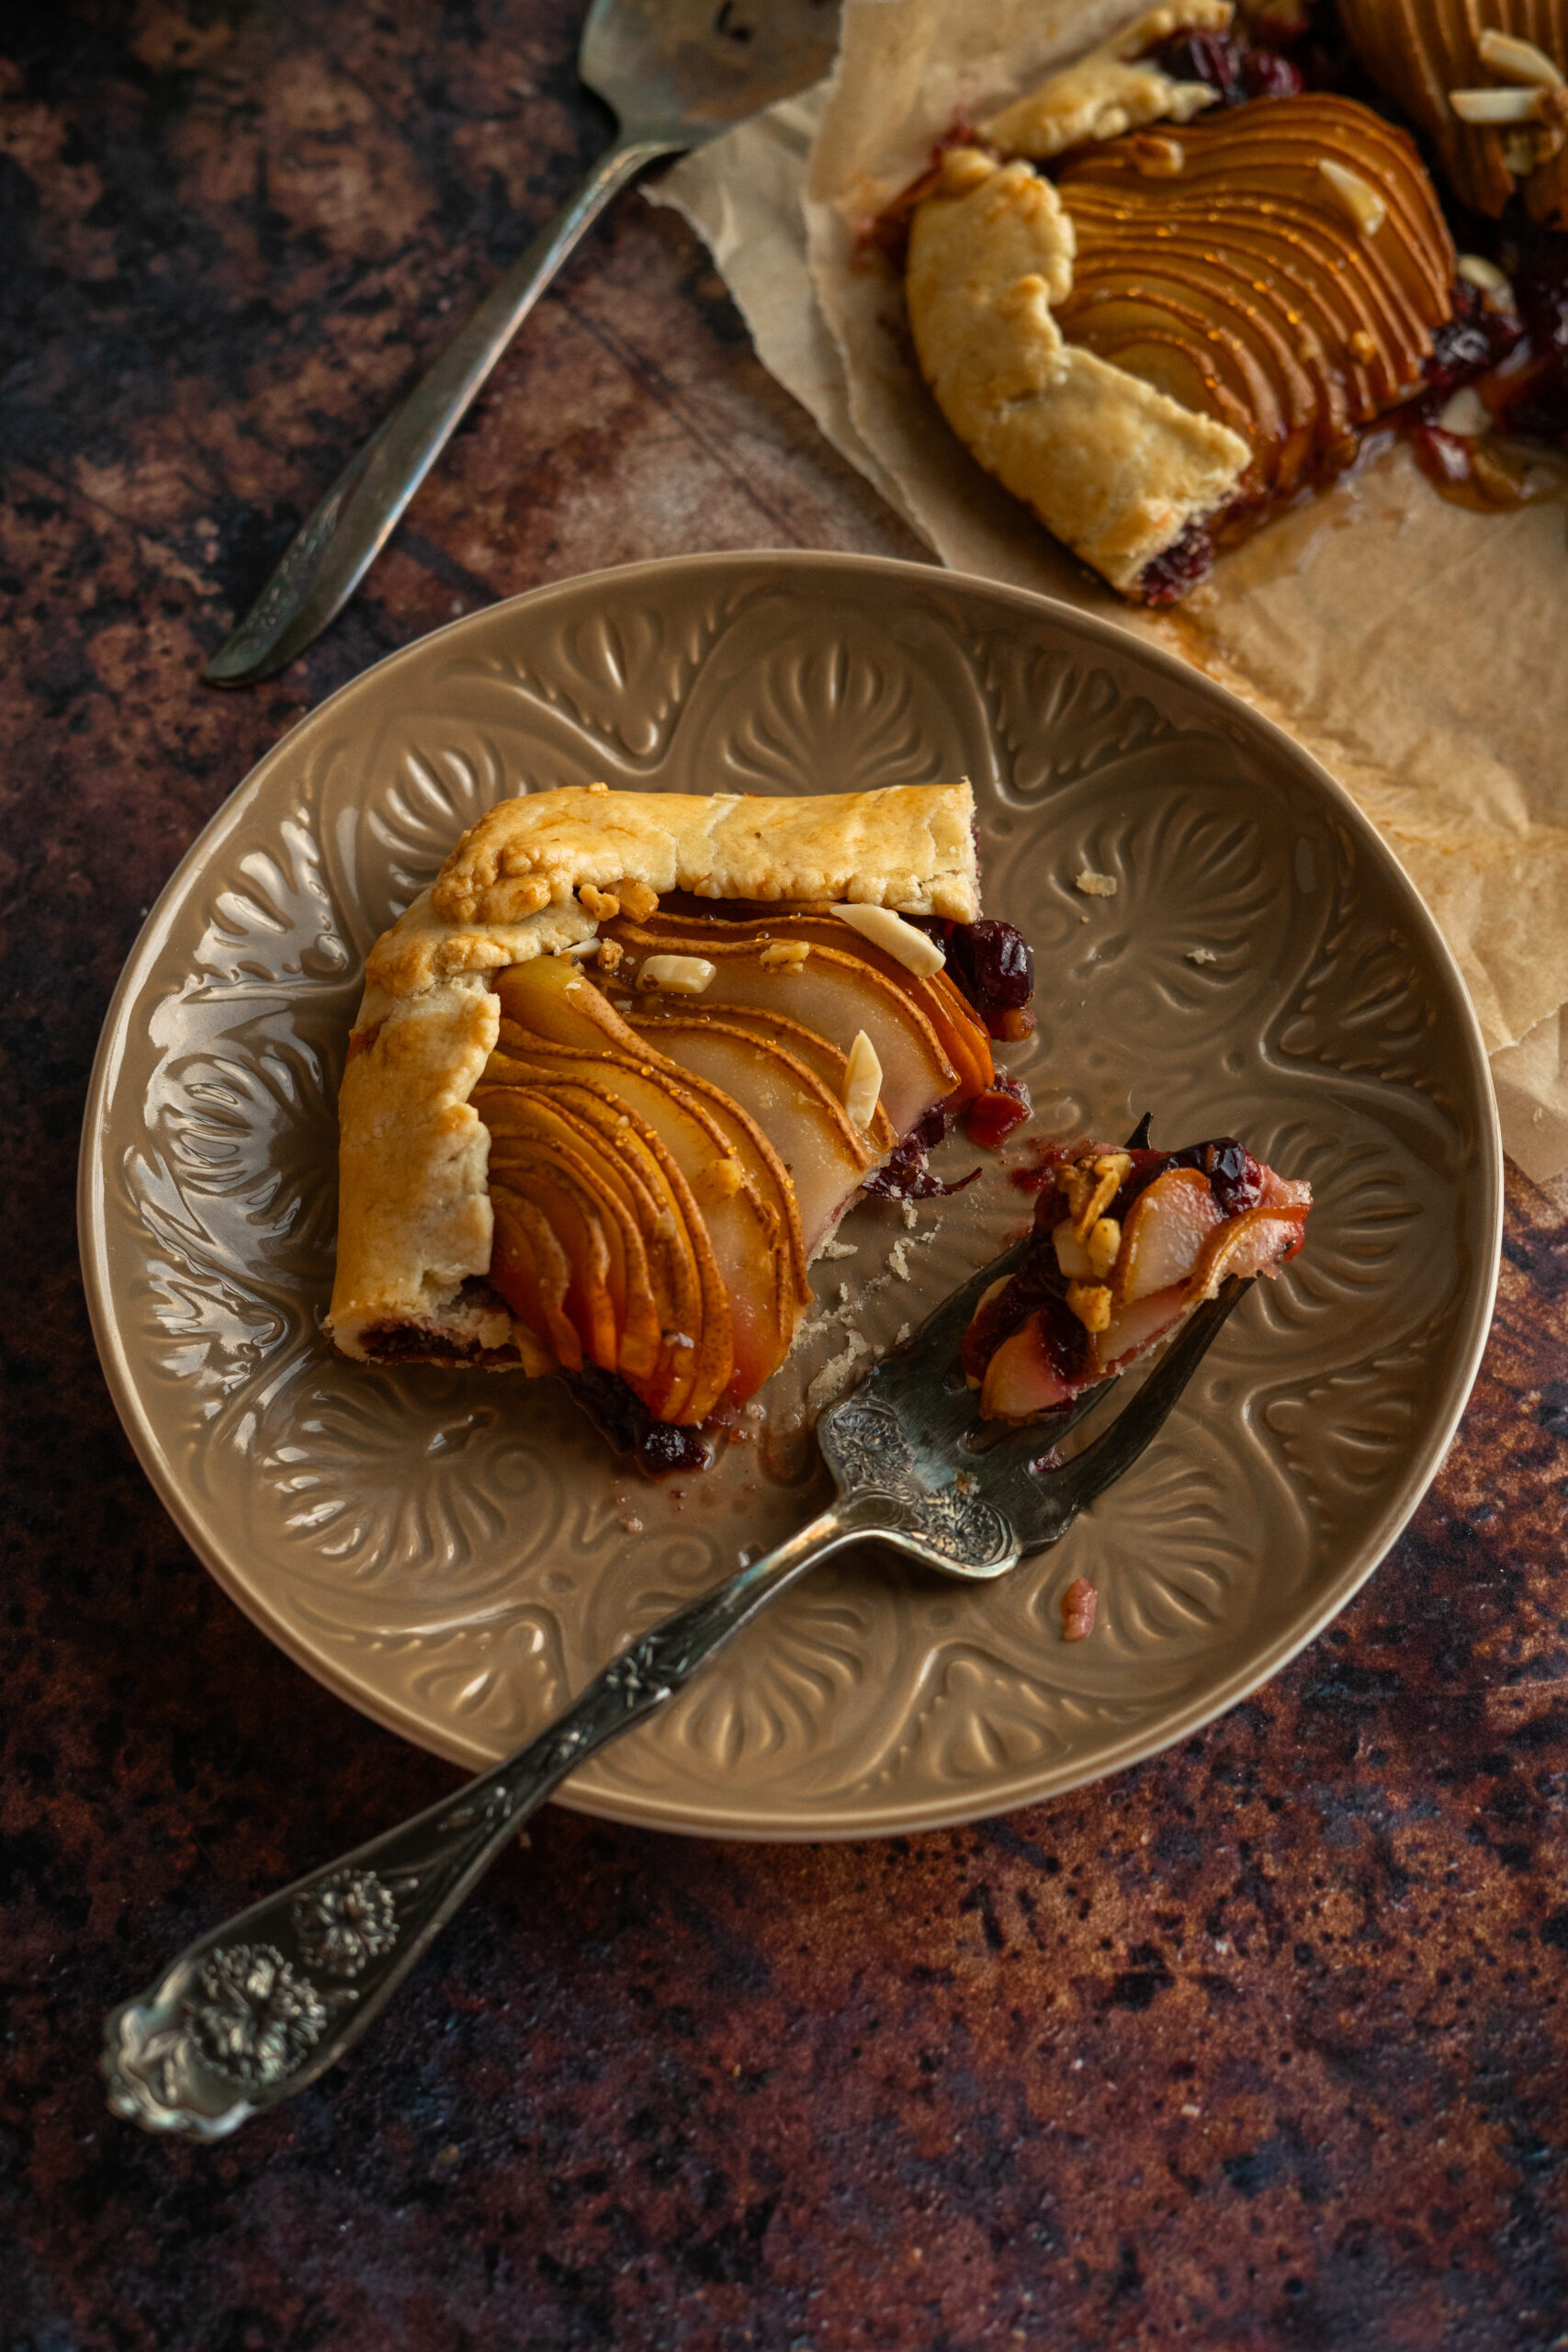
<point x="836" y="994"/>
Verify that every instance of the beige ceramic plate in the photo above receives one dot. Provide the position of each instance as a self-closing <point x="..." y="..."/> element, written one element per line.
<point x="455" y="1553"/>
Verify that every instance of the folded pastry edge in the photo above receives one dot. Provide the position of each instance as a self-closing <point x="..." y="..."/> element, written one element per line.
<point x="1113" y="467"/>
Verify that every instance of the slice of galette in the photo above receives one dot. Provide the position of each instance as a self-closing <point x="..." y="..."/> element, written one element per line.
<point x="1154" y="323"/>
<point x="1126" y="1244"/>
<point x="619" y="1075"/>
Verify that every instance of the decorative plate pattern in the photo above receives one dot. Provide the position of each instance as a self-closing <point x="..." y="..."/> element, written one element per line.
<point x="456" y="1553"/>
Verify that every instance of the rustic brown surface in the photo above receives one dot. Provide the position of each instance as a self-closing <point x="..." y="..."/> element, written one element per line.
<point x="1260" y="2044"/>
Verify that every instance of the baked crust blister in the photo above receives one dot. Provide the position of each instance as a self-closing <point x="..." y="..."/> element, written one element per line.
<point x="536" y="876"/>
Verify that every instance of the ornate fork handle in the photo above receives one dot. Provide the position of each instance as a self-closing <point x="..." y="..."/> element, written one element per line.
<point x="257" y="2009"/>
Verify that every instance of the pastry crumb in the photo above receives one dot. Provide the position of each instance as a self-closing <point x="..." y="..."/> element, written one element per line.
<point x="838" y="1250"/>
<point x="1202" y="955"/>
<point x="906" y="1331"/>
<point x="834" y="1376"/>
<point x="910" y="1217"/>
<point x="1096" y="886"/>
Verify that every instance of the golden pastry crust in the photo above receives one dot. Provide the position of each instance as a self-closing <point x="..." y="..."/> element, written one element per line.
<point x="424" y="946"/>
<point x="1113" y="467"/>
<point x="910" y="846"/>
<point x="414" y="1219"/>
<point x="1105" y="93"/>
<point x="416" y="1227"/>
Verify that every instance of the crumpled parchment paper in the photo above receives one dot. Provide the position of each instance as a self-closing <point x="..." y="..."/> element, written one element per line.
<point x="1419" y="649"/>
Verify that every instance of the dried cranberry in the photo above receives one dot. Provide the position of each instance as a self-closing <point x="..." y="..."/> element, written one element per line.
<point x="1214" y="57"/>
<point x="1470" y="343"/>
<point x="1234" y="1178"/>
<point x="1183" y="564"/>
<point x="624" y="1421"/>
<point x="1038" y="1286"/>
<point x="1444" y="456"/>
<point x="992" y="963"/>
<point x="905" y="1176"/>
<point x="991" y="1117"/>
<point x="1266" y="74"/>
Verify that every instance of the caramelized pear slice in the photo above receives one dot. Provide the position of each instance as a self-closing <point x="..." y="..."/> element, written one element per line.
<point x="1164" y="1233"/>
<point x="1136" y="1326"/>
<point x="834" y="992"/>
<point x="1021" y="1378"/>
<point x="1245" y="287"/>
<point x="823" y="1151"/>
<point x="531" y="1271"/>
<point x="696" y="1358"/>
<point x="1256" y="1242"/>
<point x="571" y="1210"/>
<point x="825" y="1062"/>
<point x="525" y="1126"/>
<point x="729" y="1220"/>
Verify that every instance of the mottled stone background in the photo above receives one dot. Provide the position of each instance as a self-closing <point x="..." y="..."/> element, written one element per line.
<point x="1260" y="2044"/>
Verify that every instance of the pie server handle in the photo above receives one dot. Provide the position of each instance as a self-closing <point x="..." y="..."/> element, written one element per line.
<point x="330" y="555"/>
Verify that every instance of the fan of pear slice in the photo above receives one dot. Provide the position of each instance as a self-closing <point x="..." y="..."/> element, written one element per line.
<point x="664" y="1165"/>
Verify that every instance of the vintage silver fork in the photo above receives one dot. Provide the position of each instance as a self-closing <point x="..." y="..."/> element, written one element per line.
<point x="674" y="74"/>
<point x="260" y="2007"/>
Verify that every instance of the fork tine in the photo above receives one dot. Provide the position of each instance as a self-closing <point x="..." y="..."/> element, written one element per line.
<point x="1111" y="1454"/>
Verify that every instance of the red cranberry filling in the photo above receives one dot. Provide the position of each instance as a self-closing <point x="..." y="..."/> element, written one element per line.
<point x="1231" y="65"/>
<point x="1182" y="565"/>
<point x="1539" y="409"/>
<point x="906" y="1176"/>
<point x="991" y="1117"/>
<point x="992" y="963"/>
<point x="625" y="1424"/>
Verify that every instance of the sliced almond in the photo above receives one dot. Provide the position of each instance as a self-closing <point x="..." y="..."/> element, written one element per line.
<point x="1493" y="106"/>
<point x="1477" y="271"/>
<point x="682" y="975"/>
<point x="862" y="1081"/>
<point x="1464" y="412"/>
<point x="1518" y="61"/>
<point x="898" y="938"/>
<point x="1356" y="196"/>
<point x="784" y="954"/>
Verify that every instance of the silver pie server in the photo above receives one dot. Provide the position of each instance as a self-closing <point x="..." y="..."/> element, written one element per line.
<point x="264" y="2004"/>
<point x="675" y="73"/>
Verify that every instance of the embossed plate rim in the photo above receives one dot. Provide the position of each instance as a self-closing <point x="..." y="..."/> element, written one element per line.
<point x="1012" y="1787"/>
